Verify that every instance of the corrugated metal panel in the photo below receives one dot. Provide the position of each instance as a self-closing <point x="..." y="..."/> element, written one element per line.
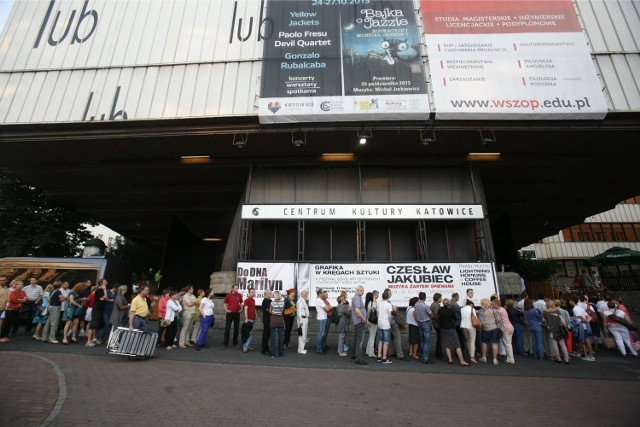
<point x="613" y="30"/>
<point x="195" y="58"/>
<point x="128" y="33"/>
<point x="142" y="93"/>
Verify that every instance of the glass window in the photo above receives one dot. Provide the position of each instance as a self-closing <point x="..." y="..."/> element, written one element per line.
<point x="262" y="240"/>
<point x="618" y="234"/>
<point x="377" y="241"/>
<point x="316" y="242"/>
<point x="344" y="241"/>
<point x="575" y="233"/>
<point x="585" y="233"/>
<point x="628" y="233"/>
<point x="286" y="241"/>
<point x="404" y="245"/>
<point x="607" y="231"/>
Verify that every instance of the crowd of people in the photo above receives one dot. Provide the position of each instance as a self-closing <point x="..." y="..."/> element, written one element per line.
<point x="470" y="331"/>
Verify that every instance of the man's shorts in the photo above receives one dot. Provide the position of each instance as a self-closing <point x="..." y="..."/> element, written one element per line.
<point x="384" y="335"/>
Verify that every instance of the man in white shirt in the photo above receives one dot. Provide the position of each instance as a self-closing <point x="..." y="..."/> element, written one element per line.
<point x="302" y="315"/>
<point x="34" y="298"/>
<point x="322" y="308"/>
<point x="583" y="341"/>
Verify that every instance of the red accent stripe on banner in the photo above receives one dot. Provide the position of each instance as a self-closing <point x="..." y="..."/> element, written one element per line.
<point x="444" y="80"/>
<point x="496" y="17"/>
<point x="515" y="47"/>
<point x="519" y="64"/>
<point x="441" y="64"/>
<point x="524" y="83"/>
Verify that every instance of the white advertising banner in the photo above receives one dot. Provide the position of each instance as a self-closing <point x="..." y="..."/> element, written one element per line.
<point x="361" y="212"/>
<point x="510" y="60"/>
<point x="263" y="276"/>
<point x="405" y="280"/>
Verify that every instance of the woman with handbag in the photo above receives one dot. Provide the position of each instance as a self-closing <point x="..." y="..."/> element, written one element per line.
<point x="619" y="332"/>
<point x="289" y="315"/>
<point x="277" y="325"/>
<point x="534" y="320"/>
<point x="43" y="312"/>
<point x="557" y="328"/>
<point x="371" y="303"/>
<point x="414" y="330"/>
<point x="490" y="334"/>
<point x="73" y="312"/>
<point x="470" y="324"/>
<point x="448" y="333"/>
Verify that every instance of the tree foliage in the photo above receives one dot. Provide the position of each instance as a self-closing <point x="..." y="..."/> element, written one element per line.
<point x="34" y="224"/>
<point x="534" y="270"/>
<point x="138" y="256"/>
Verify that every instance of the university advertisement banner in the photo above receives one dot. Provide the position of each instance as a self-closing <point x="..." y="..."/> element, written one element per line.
<point x="406" y="280"/>
<point x="510" y="59"/>
<point x="330" y="60"/>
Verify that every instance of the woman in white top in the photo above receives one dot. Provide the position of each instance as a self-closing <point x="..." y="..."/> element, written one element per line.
<point x="468" y="330"/>
<point x="206" y="319"/>
<point x="173" y="308"/>
<point x="620" y="332"/>
<point x="384" y="327"/>
<point x="371" y="302"/>
<point x="414" y="329"/>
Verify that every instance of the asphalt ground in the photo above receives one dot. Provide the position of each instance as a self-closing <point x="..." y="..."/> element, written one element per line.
<point x="46" y="384"/>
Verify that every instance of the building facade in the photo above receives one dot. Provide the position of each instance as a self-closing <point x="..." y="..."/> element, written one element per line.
<point x="573" y="247"/>
<point x="166" y="119"/>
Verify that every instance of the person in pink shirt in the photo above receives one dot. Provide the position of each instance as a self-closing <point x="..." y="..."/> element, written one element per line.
<point x="507" y="333"/>
<point x="162" y="311"/>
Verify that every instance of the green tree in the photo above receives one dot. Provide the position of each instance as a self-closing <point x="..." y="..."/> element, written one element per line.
<point x="34" y="224"/>
<point x="140" y="257"/>
<point x="535" y="270"/>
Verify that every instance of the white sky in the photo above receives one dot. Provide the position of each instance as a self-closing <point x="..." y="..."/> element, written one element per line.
<point x="5" y="9"/>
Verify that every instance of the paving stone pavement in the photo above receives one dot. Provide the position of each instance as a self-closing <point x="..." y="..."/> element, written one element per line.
<point x="229" y="388"/>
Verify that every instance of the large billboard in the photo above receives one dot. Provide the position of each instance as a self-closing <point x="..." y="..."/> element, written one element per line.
<point x="405" y="280"/>
<point x="512" y="59"/>
<point x="330" y="60"/>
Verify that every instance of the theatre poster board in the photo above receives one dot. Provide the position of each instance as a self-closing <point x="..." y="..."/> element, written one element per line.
<point x="405" y="280"/>
<point x="342" y="61"/>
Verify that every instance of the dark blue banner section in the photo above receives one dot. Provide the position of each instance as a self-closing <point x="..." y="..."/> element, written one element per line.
<point x="342" y="60"/>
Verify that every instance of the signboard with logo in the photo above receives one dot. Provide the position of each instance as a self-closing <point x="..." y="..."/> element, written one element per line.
<point x="405" y="280"/>
<point x="510" y="60"/>
<point x="361" y="212"/>
<point x="342" y="60"/>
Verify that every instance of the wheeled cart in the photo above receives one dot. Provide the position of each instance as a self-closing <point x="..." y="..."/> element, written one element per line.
<point x="135" y="343"/>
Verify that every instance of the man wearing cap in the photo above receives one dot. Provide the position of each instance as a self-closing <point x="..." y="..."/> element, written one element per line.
<point x="232" y="306"/>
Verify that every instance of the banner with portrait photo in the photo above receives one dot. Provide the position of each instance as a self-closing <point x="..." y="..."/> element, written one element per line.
<point x="330" y="60"/>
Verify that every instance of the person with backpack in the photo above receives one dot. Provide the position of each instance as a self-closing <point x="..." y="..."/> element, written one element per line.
<point x="341" y="318"/>
<point x="556" y="327"/>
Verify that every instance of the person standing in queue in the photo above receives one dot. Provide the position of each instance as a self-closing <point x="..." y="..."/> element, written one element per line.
<point x="302" y="316"/>
<point x="266" y="322"/>
<point x="232" y="306"/>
